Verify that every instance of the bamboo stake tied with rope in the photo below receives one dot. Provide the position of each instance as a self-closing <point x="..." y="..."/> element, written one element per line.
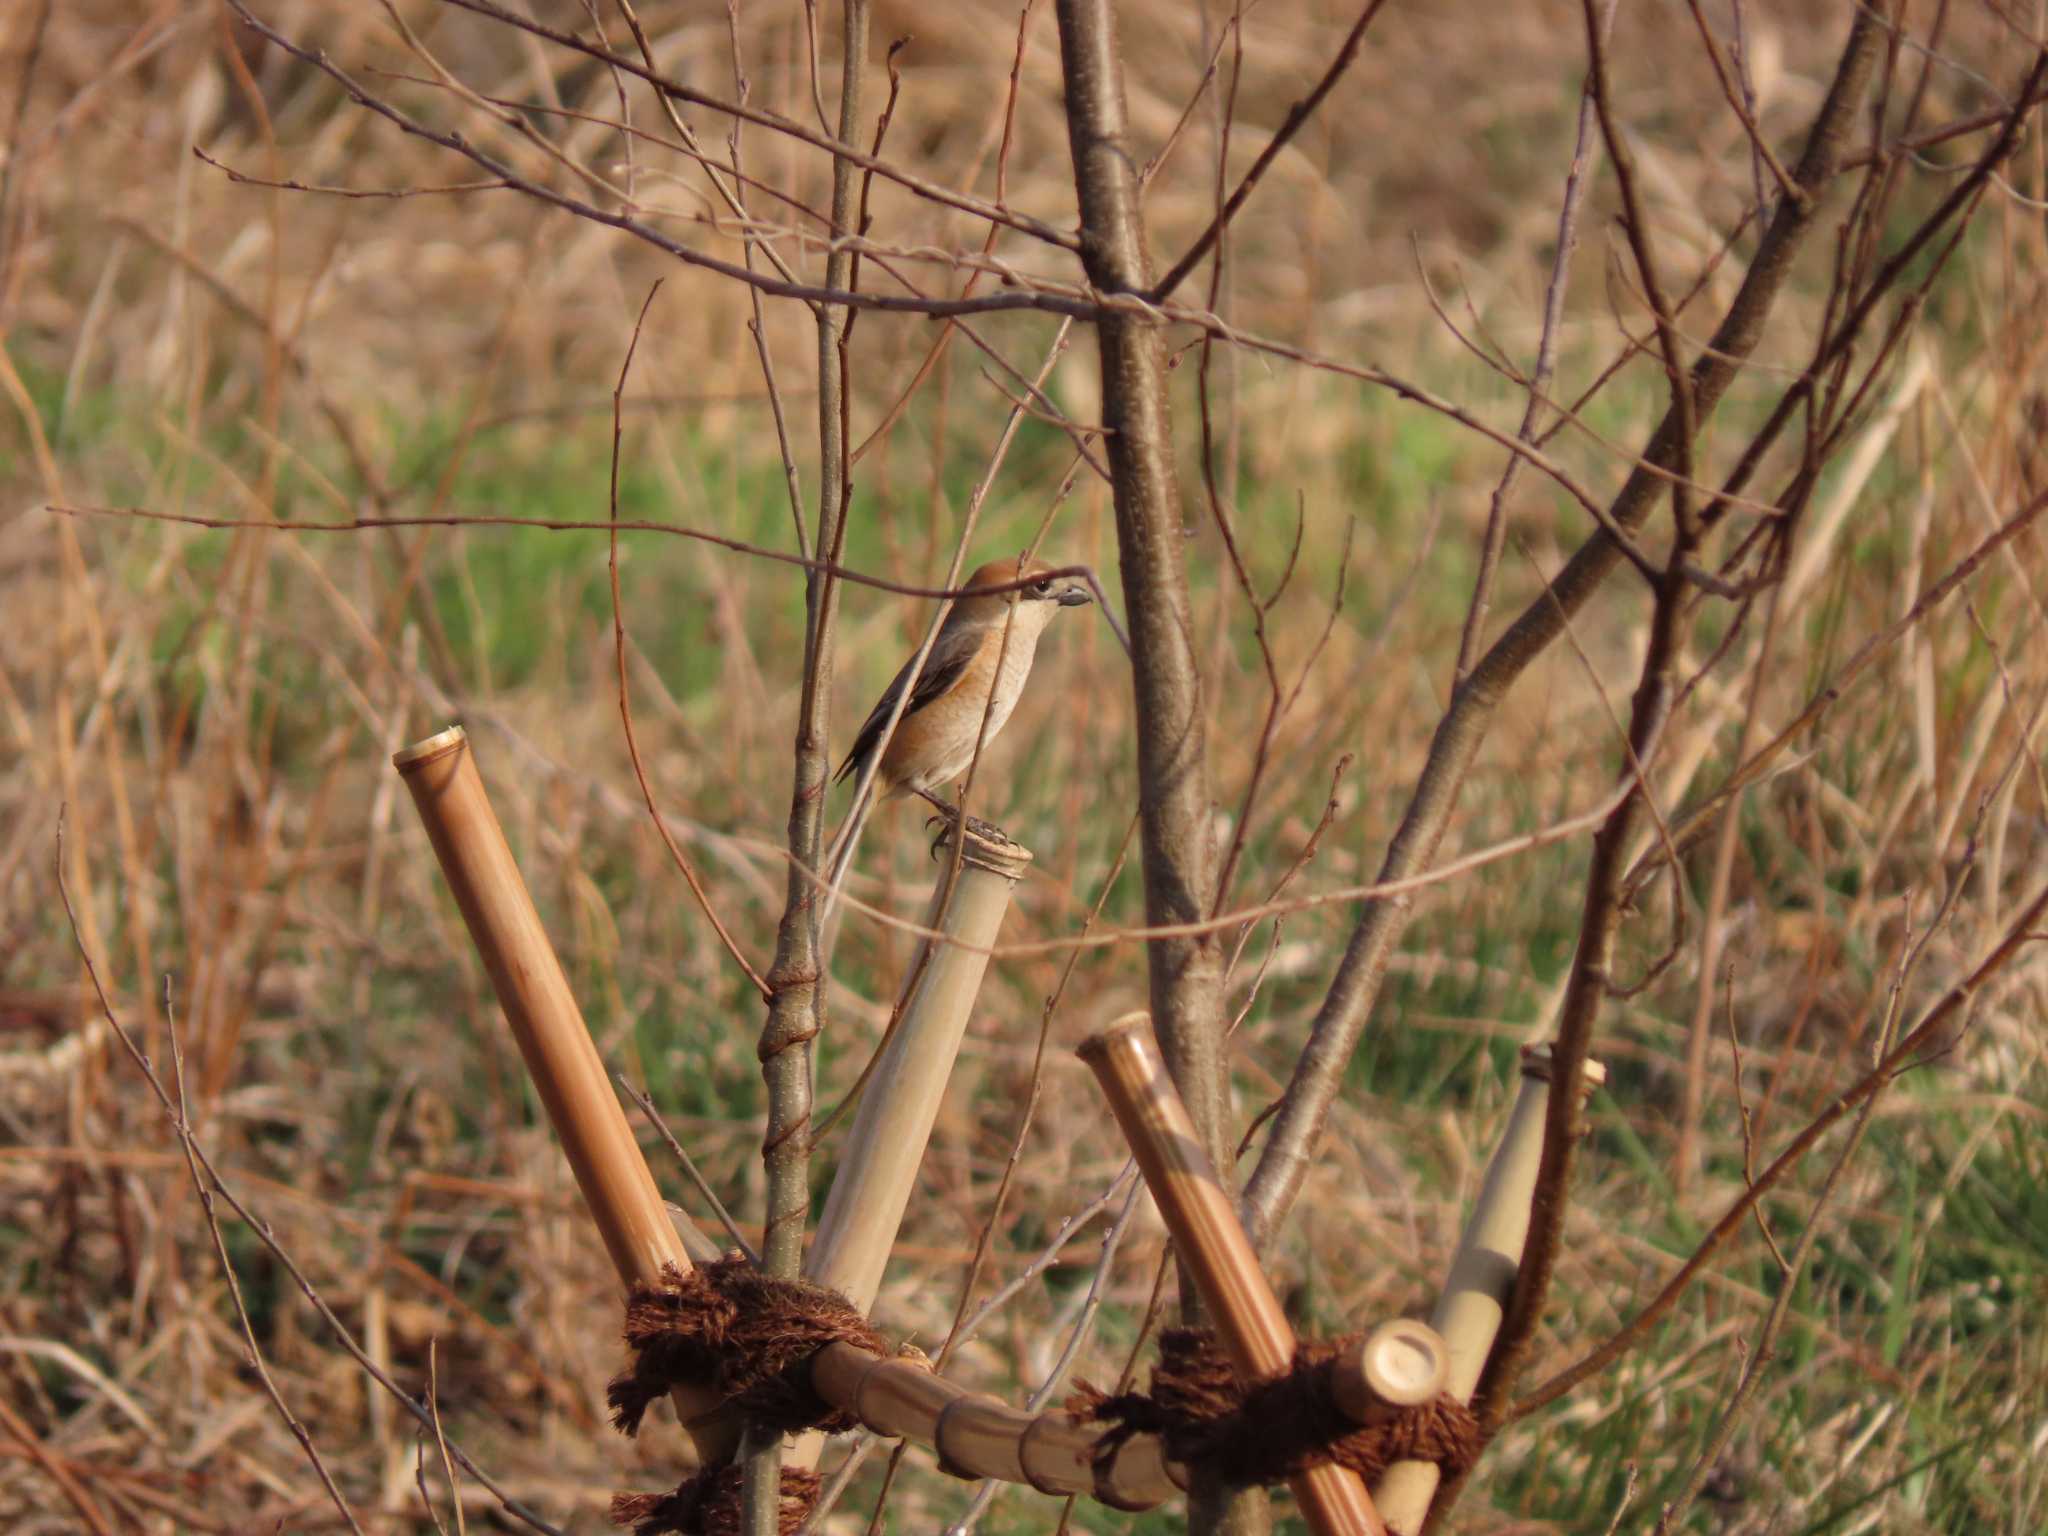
<point x="1212" y="1244"/>
<point x="617" y="1185"/>
<point x="974" y="1435"/>
<point x="1475" y="1296"/>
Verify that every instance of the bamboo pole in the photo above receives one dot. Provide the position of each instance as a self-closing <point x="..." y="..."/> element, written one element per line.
<point x="1213" y="1246"/>
<point x="1482" y="1278"/>
<point x="885" y="1149"/>
<point x="977" y="1436"/>
<point x="617" y="1185"/>
<point x="974" y="1435"/>
<point x="878" y="1172"/>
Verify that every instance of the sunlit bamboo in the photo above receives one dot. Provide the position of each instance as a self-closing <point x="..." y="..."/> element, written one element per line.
<point x="878" y="1170"/>
<point x="1211" y="1243"/>
<point x="900" y="1104"/>
<point x="1482" y="1278"/>
<point x="567" y="1072"/>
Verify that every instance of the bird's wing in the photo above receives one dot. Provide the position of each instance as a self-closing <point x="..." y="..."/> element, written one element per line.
<point x="949" y="656"/>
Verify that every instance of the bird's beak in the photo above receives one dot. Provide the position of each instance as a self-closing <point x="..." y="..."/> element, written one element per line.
<point x="1074" y="597"/>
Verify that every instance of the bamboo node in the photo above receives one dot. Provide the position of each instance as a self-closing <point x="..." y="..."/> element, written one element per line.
<point x="748" y="1336"/>
<point x="1252" y="1435"/>
<point x="708" y="1504"/>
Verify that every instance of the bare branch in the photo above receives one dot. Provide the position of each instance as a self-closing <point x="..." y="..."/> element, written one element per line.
<point x="1172" y="760"/>
<point x="260" y="1228"/>
<point x="1344" y="1011"/>
<point x="842" y="149"/>
<point x="1297" y="115"/>
<point x="1925" y="1036"/>
<point x="796" y="1009"/>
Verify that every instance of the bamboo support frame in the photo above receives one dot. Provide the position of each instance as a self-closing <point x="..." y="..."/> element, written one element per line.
<point x="974" y="1435"/>
<point x="617" y="1185"/>
<point x="1399" y="1364"/>
<point x="1475" y="1295"/>
<point x="1213" y="1247"/>
<point x="892" y="1397"/>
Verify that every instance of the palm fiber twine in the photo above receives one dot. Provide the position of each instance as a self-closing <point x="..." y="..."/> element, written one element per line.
<point x="1251" y="1435"/>
<point x="709" y="1504"/>
<point x="750" y="1337"/>
<point x="747" y="1335"/>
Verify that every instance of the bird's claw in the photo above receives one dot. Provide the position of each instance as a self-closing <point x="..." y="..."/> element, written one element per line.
<point x="947" y="820"/>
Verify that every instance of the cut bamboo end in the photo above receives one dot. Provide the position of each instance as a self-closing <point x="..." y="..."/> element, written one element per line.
<point x="1536" y="1063"/>
<point x="1212" y="1244"/>
<point x="991" y="849"/>
<point x="1399" y="1364"/>
<point x="453" y="739"/>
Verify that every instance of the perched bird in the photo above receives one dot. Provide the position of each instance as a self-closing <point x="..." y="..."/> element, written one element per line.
<point x="958" y="686"/>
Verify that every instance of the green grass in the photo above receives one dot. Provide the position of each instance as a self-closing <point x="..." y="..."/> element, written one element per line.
<point x="508" y="599"/>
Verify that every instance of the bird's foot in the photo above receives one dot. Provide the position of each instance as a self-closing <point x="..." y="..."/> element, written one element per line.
<point x="949" y="817"/>
<point x="987" y="831"/>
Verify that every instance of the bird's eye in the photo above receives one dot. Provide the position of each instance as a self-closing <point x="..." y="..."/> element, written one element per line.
<point x="1040" y="588"/>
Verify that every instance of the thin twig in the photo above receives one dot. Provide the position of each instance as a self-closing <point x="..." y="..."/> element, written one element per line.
<point x="1763" y="1350"/>
<point x="841" y="148"/>
<point x="690" y="1169"/>
<point x="675" y="851"/>
<point x="1763" y="1225"/>
<point x="1574" y="199"/>
<point x="832" y="568"/>
<point x="441" y="1444"/>
<point x="1736" y="100"/>
<point x="261" y="1229"/>
<point x="1297" y="115"/>
<point x="181" y="1122"/>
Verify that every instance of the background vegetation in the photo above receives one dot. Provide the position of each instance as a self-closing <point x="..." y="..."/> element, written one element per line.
<point x="213" y="711"/>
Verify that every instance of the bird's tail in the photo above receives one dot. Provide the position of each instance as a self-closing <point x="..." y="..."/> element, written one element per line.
<point x="841" y="854"/>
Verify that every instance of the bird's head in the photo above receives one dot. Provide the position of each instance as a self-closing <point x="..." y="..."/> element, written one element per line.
<point x="1043" y="594"/>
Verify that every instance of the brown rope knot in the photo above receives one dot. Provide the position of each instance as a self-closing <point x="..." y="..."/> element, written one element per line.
<point x="1247" y="1436"/>
<point x="747" y="1335"/>
<point x="708" y="1504"/>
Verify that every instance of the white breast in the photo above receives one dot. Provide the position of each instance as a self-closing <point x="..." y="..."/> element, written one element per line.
<point x="951" y="745"/>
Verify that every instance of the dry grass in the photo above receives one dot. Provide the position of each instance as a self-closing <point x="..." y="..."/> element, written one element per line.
<point x="214" y="711"/>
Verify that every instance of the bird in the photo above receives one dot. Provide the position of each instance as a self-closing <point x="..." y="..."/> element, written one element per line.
<point x="959" y="685"/>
